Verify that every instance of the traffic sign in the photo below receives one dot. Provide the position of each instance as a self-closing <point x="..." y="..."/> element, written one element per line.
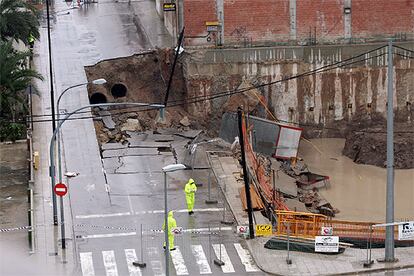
<point x="263" y="229"/>
<point x="326" y="231"/>
<point x="242" y="229"/>
<point x="60" y="189"/>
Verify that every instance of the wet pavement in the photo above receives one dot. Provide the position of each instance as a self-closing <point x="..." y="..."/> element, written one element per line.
<point x="136" y="191"/>
<point x="80" y="36"/>
<point x="13" y="197"/>
<point x="113" y="196"/>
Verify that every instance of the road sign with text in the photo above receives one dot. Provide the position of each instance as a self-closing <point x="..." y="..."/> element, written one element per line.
<point x="263" y="229"/>
<point x="406" y="231"/>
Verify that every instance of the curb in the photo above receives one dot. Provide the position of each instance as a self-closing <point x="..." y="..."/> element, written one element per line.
<point x="355" y="272"/>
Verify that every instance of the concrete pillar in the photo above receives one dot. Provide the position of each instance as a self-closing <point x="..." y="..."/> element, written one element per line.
<point x="292" y="19"/>
<point x="180" y="8"/>
<point x="220" y="18"/>
<point x="347" y="19"/>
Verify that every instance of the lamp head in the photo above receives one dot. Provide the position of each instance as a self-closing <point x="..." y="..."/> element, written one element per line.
<point x="99" y="81"/>
<point x="173" y="167"/>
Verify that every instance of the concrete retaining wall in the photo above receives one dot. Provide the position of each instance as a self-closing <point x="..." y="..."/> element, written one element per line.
<point x="340" y="94"/>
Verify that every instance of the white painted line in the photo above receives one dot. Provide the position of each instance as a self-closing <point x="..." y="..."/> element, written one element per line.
<point x="110" y="263"/>
<point x="228" y="266"/>
<point x="194" y="230"/>
<point x="201" y="259"/>
<point x="178" y="211"/>
<point x="87" y="264"/>
<point x="246" y="258"/>
<point x="148" y="212"/>
<point x="102" y="215"/>
<point x="132" y="257"/>
<point x="97" y="236"/>
<point x="156" y="265"/>
<point x="212" y="229"/>
<point x="178" y="261"/>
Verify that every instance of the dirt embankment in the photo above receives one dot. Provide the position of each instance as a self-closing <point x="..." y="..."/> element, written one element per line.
<point x="367" y="144"/>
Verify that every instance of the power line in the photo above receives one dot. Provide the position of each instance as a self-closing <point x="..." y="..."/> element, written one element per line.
<point x="404" y="49"/>
<point x="227" y="93"/>
<point x="321" y="69"/>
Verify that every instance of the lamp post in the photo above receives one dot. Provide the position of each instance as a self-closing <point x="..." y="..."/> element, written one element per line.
<point x="168" y="168"/>
<point x="52" y="147"/>
<point x="96" y="82"/>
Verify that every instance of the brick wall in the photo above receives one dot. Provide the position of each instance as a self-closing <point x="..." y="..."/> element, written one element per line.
<point x="263" y="21"/>
<point x="325" y="17"/>
<point x="196" y="13"/>
<point x="378" y="17"/>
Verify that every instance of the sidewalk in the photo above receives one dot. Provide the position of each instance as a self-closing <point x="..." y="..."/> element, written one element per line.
<point x="274" y="261"/>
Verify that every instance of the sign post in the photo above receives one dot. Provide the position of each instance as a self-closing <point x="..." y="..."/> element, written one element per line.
<point x="61" y="190"/>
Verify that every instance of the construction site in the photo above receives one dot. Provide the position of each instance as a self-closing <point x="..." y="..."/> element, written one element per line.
<point x="314" y="129"/>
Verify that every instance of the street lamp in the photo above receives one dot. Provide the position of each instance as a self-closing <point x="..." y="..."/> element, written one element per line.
<point x="168" y="168"/>
<point x="52" y="153"/>
<point x="97" y="82"/>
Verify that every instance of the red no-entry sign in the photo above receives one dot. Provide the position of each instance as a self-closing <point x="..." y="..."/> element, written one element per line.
<point x="61" y="189"/>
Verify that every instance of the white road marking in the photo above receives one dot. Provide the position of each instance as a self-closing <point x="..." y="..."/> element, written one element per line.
<point x="178" y="261"/>
<point x="131" y="257"/>
<point x="201" y="259"/>
<point x="103" y="215"/>
<point x="194" y="230"/>
<point x="148" y="212"/>
<point x="110" y="263"/>
<point x="87" y="264"/>
<point x="228" y="266"/>
<point x="97" y="236"/>
<point x="156" y="265"/>
<point x="246" y="258"/>
<point x="208" y="229"/>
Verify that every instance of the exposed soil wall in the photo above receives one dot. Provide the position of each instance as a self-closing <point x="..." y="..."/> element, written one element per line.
<point x="368" y="145"/>
<point x="334" y="103"/>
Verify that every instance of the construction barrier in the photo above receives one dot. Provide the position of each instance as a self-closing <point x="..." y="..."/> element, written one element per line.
<point x="258" y="173"/>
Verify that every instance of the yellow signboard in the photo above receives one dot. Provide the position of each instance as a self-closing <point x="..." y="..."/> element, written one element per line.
<point x="212" y="23"/>
<point x="263" y="229"/>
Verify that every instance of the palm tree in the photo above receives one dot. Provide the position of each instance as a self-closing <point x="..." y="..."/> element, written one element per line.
<point x="18" y="20"/>
<point x="14" y="78"/>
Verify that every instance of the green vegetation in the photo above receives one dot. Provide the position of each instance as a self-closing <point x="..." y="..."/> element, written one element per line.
<point x="19" y="21"/>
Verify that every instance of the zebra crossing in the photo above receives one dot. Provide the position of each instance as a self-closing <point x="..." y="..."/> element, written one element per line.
<point x="119" y="263"/>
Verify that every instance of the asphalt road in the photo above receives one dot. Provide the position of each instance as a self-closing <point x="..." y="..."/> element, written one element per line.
<point x="113" y="196"/>
<point x="108" y="242"/>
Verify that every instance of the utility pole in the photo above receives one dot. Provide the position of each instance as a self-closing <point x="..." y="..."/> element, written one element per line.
<point x="245" y="176"/>
<point x="180" y="40"/>
<point x="389" y="234"/>
<point x="52" y="100"/>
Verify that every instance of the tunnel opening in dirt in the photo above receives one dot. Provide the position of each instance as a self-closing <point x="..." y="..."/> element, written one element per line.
<point x="97" y="98"/>
<point x="119" y="90"/>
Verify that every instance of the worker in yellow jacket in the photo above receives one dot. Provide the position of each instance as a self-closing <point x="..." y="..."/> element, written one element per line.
<point x="190" y="189"/>
<point x="172" y="223"/>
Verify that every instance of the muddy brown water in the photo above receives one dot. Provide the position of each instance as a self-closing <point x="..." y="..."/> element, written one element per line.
<point x="358" y="191"/>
